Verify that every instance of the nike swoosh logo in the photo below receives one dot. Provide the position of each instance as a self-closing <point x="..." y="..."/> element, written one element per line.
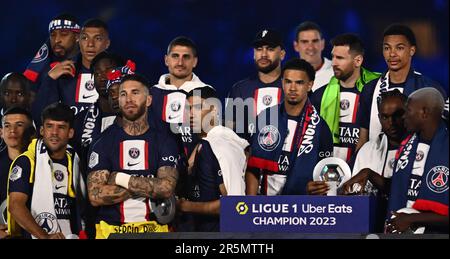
<point x="341" y="116"/>
<point x="417" y="167"/>
<point x="132" y="164"/>
<point x="59" y="187"/>
<point x="87" y="96"/>
<point x="173" y="117"/>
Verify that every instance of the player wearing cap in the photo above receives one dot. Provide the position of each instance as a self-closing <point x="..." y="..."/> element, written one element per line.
<point x="62" y="44"/>
<point x="263" y="89"/>
<point x="71" y="81"/>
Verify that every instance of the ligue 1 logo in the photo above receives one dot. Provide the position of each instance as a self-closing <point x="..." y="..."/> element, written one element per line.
<point x="242" y="208"/>
<point x="133" y="152"/>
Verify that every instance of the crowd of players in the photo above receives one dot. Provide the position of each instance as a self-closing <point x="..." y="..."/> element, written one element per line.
<point x="89" y="147"/>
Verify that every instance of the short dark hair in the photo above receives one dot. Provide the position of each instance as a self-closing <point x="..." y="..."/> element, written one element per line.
<point x="66" y="16"/>
<point x="400" y="29"/>
<point x="205" y="92"/>
<point x="351" y="40"/>
<point x="17" y="77"/>
<point x="307" y="26"/>
<point x="299" y="64"/>
<point x="139" y="78"/>
<point x="390" y="94"/>
<point x="183" y="41"/>
<point x="58" y="112"/>
<point x="95" y="23"/>
<point x="116" y="60"/>
<point x="16" y="110"/>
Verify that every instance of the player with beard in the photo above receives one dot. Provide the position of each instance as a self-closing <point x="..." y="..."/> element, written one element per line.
<point x="71" y="81"/>
<point x="169" y="95"/>
<point x="420" y="177"/>
<point x="337" y="102"/>
<point x="290" y="139"/>
<point x="264" y="89"/>
<point x="45" y="187"/>
<point x="131" y="166"/>
<point x="62" y="45"/>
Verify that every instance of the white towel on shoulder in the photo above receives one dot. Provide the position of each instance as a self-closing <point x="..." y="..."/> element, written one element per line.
<point x="229" y="151"/>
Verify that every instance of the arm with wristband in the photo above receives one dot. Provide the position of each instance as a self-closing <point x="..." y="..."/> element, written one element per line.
<point x="161" y="187"/>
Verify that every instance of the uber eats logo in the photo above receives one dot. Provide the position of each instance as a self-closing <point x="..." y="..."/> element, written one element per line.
<point x="242" y="208"/>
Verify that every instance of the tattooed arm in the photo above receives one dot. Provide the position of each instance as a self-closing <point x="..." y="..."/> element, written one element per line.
<point x="103" y="191"/>
<point x="161" y="187"/>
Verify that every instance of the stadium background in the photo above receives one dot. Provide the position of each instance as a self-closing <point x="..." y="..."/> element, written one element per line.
<point x="224" y="30"/>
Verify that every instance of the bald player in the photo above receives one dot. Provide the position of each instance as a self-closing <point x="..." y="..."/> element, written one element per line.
<point x="420" y="178"/>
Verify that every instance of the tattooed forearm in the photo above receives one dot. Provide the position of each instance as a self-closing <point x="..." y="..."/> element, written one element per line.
<point x="101" y="192"/>
<point x="161" y="187"/>
<point x="136" y="127"/>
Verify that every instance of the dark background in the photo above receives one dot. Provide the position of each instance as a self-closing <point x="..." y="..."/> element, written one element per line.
<point x="223" y="31"/>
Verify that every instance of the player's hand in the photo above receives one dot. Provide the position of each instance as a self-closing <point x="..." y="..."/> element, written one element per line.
<point x="67" y="67"/>
<point x="399" y="223"/>
<point x="356" y="184"/>
<point x="3" y="231"/>
<point x="317" y="188"/>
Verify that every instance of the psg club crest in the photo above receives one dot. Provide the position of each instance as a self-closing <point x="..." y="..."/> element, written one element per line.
<point x="47" y="221"/>
<point x="269" y="138"/>
<point x="42" y="54"/>
<point x="419" y="156"/>
<point x="89" y="85"/>
<point x="437" y="179"/>
<point x="133" y="152"/>
<point x="175" y="106"/>
<point x="345" y="104"/>
<point x="59" y="176"/>
<point x="267" y="100"/>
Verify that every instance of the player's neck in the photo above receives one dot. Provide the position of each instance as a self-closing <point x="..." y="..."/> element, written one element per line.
<point x="58" y="155"/>
<point x="317" y="64"/>
<point x="86" y="63"/>
<point x="428" y="132"/>
<point x="179" y="81"/>
<point x="399" y="76"/>
<point x="13" y="153"/>
<point x="136" y="127"/>
<point x="294" y="109"/>
<point x="271" y="76"/>
<point x="394" y="142"/>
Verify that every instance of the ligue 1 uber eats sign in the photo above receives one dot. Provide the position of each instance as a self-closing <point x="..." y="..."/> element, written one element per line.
<point x="307" y="214"/>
